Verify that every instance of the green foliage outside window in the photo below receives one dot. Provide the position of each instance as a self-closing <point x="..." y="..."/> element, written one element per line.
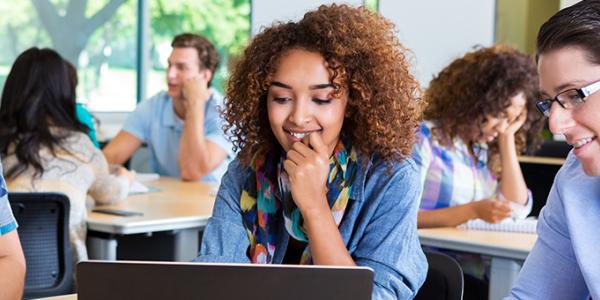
<point x="372" y="4"/>
<point x="100" y="38"/>
<point x="224" y="22"/>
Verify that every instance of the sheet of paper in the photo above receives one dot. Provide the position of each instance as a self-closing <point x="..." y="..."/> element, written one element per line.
<point x="138" y="188"/>
<point x="143" y="177"/>
<point x="509" y="225"/>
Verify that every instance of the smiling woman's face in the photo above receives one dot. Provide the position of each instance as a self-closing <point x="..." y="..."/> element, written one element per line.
<point x="300" y="100"/>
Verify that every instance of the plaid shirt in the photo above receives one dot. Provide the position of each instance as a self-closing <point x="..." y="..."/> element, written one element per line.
<point x="451" y="177"/>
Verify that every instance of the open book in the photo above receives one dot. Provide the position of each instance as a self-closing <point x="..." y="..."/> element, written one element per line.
<point x="509" y="225"/>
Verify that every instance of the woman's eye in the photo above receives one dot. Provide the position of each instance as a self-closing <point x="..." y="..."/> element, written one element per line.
<point x="321" y="101"/>
<point x="280" y="99"/>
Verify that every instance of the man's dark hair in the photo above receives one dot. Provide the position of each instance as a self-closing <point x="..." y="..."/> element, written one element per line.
<point x="207" y="54"/>
<point x="577" y="26"/>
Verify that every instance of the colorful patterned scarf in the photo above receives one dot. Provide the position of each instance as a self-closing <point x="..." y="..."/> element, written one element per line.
<point x="264" y="196"/>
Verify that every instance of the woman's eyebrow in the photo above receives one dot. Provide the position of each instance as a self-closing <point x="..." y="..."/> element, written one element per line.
<point x="281" y="85"/>
<point x="571" y="84"/>
<point x="312" y="87"/>
<point x="321" y="86"/>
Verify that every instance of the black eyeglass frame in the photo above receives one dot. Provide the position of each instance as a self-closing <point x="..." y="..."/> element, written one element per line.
<point x="544" y="105"/>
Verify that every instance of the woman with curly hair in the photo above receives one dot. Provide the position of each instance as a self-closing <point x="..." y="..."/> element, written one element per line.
<point x="480" y="114"/>
<point x="323" y="112"/>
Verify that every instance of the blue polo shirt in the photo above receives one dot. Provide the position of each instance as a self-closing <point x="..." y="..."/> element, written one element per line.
<point x="156" y="124"/>
<point x="7" y="221"/>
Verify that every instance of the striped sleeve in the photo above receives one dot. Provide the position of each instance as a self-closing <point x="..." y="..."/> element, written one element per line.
<point x="7" y="220"/>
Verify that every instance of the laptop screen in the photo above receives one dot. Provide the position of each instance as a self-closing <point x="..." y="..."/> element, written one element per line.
<point x="175" y="280"/>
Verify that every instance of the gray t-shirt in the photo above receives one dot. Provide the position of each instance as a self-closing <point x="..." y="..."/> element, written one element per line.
<point x="7" y="221"/>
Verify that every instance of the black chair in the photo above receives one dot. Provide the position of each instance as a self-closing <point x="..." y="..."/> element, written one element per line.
<point x="444" y="278"/>
<point x="559" y="149"/>
<point x="43" y="220"/>
<point x="539" y="177"/>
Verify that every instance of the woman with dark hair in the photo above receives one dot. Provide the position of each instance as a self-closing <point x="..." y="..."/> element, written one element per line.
<point x="43" y="145"/>
<point x="565" y="261"/>
<point x="325" y="145"/>
<point x="480" y="115"/>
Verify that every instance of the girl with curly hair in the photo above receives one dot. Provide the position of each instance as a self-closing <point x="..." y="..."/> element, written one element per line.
<point x="323" y="112"/>
<point x="480" y="114"/>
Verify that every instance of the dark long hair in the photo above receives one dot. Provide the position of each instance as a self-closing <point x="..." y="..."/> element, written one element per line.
<point x="38" y="94"/>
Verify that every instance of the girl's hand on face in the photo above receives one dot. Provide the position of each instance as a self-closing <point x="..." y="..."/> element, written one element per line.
<point x="307" y="170"/>
<point x="515" y="125"/>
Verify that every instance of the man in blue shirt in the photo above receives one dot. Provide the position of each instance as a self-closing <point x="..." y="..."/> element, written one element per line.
<point x="182" y="126"/>
<point x="565" y="261"/>
<point x="12" y="262"/>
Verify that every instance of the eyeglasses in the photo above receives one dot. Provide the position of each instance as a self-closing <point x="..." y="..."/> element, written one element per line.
<point x="569" y="98"/>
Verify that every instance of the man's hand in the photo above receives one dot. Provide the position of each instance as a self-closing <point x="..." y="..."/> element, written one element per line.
<point x="195" y="92"/>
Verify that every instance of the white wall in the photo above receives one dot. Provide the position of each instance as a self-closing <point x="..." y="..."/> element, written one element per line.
<point x="566" y="3"/>
<point x="265" y="12"/>
<point x="439" y="31"/>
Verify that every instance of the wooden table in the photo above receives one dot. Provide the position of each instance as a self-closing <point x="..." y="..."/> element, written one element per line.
<point x="507" y="251"/>
<point x="63" y="297"/>
<point x="181" y="206"/>
<point x="541" y="160"/>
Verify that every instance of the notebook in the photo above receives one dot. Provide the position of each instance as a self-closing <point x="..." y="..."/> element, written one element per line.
<point x="177" y="280"/>
<point x="508" y="225"/>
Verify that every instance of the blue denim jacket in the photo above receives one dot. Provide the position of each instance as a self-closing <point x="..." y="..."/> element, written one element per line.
<point x="379" y="226"/>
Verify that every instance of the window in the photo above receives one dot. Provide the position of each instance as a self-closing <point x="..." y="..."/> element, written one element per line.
<point x="96" y="36"/>
<point x="225" y="23"/>
<point x="101" y="37"/>
<point x="372" y="5"/>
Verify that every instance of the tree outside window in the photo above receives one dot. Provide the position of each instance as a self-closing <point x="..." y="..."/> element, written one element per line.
<point x="100" y="38"/>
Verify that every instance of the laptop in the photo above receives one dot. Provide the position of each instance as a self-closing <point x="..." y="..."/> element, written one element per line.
<point x="178" y="280"/>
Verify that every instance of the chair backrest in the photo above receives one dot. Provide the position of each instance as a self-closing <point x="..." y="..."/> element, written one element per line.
<point x="444" y="278"/>
<point x="43" y="220"/>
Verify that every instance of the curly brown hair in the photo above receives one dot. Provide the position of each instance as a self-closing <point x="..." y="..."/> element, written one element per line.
<point x="361" y="51"/>
<point x="481" y="84"/>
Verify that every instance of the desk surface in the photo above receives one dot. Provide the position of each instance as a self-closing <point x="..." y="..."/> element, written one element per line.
<point x="493" y="243"/>
<point x="542" y="160"/>
<point x="178" y="205"/>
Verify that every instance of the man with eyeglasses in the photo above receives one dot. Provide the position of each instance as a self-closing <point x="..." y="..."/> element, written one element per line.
<point x="565" y="261"/>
